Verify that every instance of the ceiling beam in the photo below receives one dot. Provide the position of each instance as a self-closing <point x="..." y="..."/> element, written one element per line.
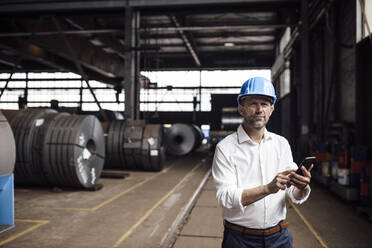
<point x="189" y="46"/>
<point x="49" y="61"/>
<point x="221" y="34"/>
<point x="10" y="7"/>
<point x="87" y="54"/>
<point x="67" y="32"/>
<point x="231" y="31"/>
<point x="108" y="41"/>
<point x="209" y="28"/>
<point x="223" y="60"/>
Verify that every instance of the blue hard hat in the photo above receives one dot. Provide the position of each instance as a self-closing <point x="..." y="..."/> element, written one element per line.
<point x="258" y="86"/>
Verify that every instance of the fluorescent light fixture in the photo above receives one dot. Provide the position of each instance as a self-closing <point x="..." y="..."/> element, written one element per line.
<point x="229" y="44"/>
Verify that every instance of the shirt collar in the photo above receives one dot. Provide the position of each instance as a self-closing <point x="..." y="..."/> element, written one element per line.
<point x="243" y="136"/>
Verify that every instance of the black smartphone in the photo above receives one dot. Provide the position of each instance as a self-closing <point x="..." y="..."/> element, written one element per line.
<point x="307" y="162"/>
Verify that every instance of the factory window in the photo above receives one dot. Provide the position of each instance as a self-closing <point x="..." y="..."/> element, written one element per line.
<point x="39" y="89"/>
<point x="168" y="91"/>
<point x="176" y="90"/>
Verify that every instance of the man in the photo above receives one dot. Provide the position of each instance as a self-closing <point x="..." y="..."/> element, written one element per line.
<point x="253" y="170"/>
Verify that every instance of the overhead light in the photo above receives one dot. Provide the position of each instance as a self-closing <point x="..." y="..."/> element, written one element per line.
<point x="229" y="44"/>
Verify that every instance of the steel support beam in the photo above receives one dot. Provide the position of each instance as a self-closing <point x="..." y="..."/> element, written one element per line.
<point x="69" y="32"/>
<point x="89" y="55"/>
<point x="156" y="30"/>
<point x="209" y="28"/>
<point x="76" y="61"/>
<point x="186" y="40"/>
<point x="305" y="90"/>
<point x="263" y="33"/>
<point x="108" y="41"/>
<point x="8" y="7"/>
<point x="131" y="68"/>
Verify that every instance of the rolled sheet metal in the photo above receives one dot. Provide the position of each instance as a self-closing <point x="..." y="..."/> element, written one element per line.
<point x="133" y="143"/>
<point x="199" y="136"/>
<point x="26" y="126"/>
<point x="74" y="151"/>
<point x="8" y="149"/>
<point x="115" y="155"/>
<point x="180" y="139"/>
<point x="153" y="153"/>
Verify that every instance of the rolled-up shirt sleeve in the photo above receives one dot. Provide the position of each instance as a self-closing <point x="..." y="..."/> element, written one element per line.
<point x="227" y="193"/>
<point x="293" y="199"/>
<point x="287" y="159"/>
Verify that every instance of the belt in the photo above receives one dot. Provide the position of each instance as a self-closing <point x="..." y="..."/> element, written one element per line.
<point x="260" y="232"/>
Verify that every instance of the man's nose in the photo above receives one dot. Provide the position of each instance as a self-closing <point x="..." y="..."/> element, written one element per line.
<point x="259" y="108"/>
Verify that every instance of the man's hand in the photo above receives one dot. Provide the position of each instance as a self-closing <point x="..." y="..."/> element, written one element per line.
<point x="299" y="181"/>
<point x="280" y="181"/>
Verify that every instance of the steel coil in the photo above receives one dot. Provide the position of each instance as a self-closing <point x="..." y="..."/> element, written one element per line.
<point x="180" y="139"/>
<point x="115" y="156"/>
<point x="199" y="136"/>
<point x="133" y="143"/>
<point x="74" y="151"/>
<point x="26" y="126"/>
<point x="152" y="148"/>
<point x="8" y="149"/>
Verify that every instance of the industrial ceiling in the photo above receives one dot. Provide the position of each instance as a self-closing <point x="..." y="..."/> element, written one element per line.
<point x="97" y="36"/>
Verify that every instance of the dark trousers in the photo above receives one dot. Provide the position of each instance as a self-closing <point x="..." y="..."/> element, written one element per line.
<point x="235" y="239"/>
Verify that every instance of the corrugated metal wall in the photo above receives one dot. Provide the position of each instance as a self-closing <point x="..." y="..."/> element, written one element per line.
<point x="332" y="76"/>
<point x="346" y="30"/>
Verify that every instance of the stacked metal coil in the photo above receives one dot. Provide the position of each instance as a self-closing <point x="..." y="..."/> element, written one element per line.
<point x="181" y="139"/>
<point x="26" y="126"/>
<point x="57" y="149"/>
<point x="131" y="144"/>
<point x="153" y="153"/>
<point x="115" y="157"/>
<point x="74" y="151"/>
<point x="199" y="136"/>
<point x="7" y="144"/>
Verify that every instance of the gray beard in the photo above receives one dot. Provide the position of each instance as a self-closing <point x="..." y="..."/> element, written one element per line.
<point x="256" y="124"/>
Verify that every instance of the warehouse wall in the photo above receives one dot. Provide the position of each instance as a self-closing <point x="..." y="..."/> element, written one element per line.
<point x="364" y="89"/>
<point x="324" y="51"/>
<point x="346" y="73"/>
<point x="332" y="76"/>
<point x="333" y="70"/>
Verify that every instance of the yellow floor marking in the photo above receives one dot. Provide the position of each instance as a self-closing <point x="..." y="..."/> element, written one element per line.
<point x="126" y="191"/>
<point x="64" y="209"/>
<point x="147" y="214"/>
<point x="13" y="237"/>
<point x="112" y="198"/>
<point x="307" y="223"/>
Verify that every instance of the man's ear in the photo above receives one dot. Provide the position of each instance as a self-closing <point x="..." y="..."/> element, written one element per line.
<point x="272" y="108"/>
<point x="241" y="109"/>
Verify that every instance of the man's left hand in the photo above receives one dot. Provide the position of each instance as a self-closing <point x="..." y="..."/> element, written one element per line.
<point x="299" y="181"/>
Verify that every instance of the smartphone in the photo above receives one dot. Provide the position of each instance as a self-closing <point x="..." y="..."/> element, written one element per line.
<point x="307" y="162"/>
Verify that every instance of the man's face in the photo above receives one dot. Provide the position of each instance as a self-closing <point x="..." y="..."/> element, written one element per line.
<point x="256" y="110"/>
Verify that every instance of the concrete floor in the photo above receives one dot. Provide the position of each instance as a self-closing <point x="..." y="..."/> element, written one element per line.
<point x="133" y="212"/>
<point x="139" y="211"/>
<point x="323" y="221"/>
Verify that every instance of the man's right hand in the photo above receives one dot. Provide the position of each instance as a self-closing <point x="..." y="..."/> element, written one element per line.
<point x="280" y="181"/>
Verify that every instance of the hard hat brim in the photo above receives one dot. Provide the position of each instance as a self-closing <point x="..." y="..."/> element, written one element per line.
<point x="271" y="99"/>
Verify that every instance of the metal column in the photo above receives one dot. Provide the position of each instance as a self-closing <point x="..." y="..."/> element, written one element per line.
<point x="131" y="70"/>
<point x="305" y="90"/>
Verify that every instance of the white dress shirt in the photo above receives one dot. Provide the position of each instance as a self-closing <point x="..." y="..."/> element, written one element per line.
<point x="239" y="163"/>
